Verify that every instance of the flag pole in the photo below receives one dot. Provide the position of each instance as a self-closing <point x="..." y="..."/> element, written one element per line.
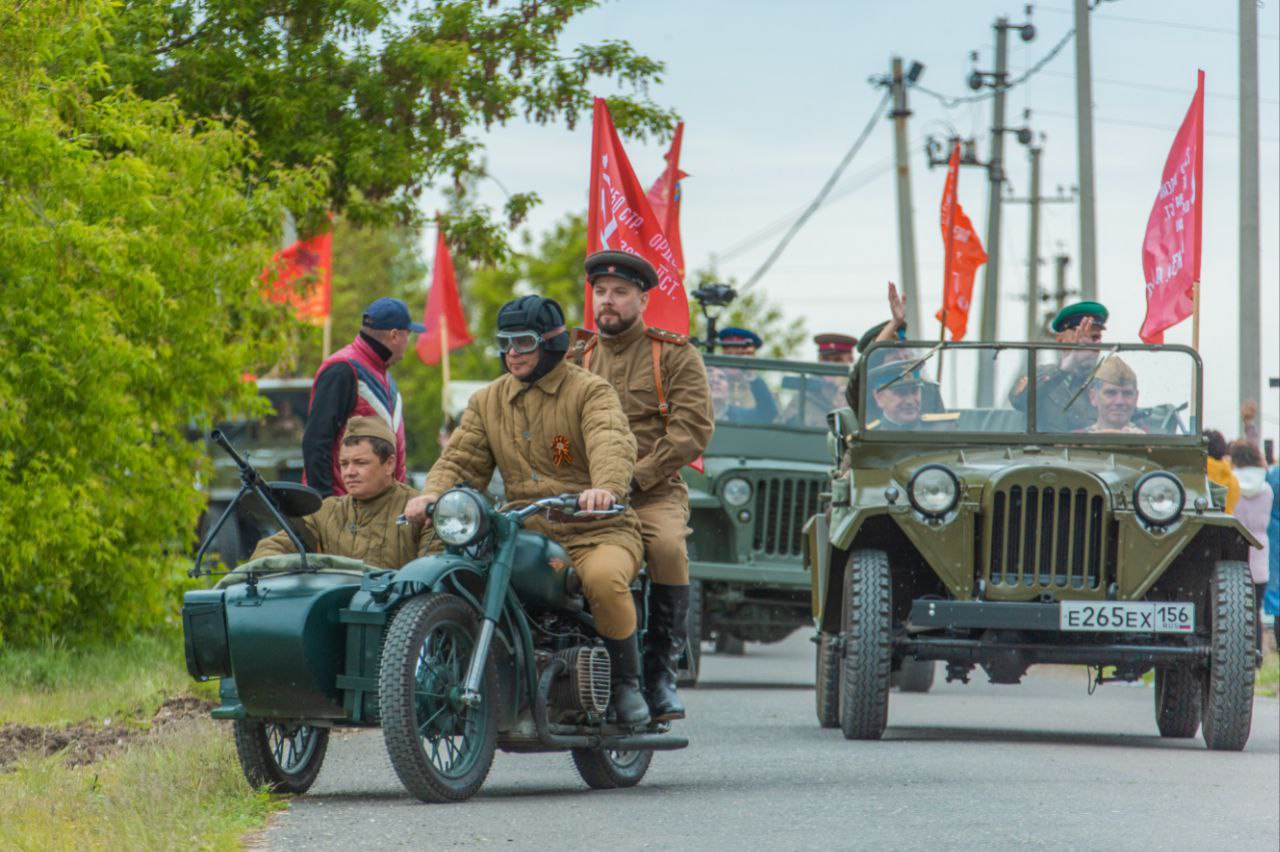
<point x="444" y="364"/>
<point x="1195" y="315"/>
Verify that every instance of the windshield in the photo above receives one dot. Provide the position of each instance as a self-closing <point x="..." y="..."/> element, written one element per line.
<point x="774" y="396"/>
<point x="285" y="426"/>
<point x="1109" y="390"/>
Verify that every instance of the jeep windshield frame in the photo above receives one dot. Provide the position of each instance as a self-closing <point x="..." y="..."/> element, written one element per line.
<point x="1031" y="354"/>
<point x="798" y="386"/>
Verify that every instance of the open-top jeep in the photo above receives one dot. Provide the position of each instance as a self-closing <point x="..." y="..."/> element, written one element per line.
<point x="1017" y="534"/>
<point x="766" y="471"/>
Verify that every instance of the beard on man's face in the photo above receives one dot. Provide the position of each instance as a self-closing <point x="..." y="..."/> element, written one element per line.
<point x="611" y="323"/>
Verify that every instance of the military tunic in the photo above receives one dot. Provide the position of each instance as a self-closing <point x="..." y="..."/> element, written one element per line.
<point x="1054" y="389"/>
<point x="664" y="444"/>
<point x="563" y="433"/>
<point x="359" y="529"/>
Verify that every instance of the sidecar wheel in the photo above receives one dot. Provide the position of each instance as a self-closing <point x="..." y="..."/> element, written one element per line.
<point x="610" y="770"/>
<point x="441" y="749"/>
<point x="286" y="758"/>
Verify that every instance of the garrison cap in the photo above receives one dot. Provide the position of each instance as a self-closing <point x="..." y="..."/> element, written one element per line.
<point x="369" y="427"/>
<point x="734" y="336"/>
<point x="886" y="373"/>
<point x="1072" y="315"/>
<point x="834" y="343"/>
<point x="624" y="265"/>
<point x="868" y="337"/>
<point x="1116" y="372"/>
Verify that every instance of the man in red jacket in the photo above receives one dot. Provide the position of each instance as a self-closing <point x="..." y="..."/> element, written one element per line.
<point x="354" y="382"/>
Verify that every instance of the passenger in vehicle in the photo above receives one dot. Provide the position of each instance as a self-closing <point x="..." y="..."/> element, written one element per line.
<point x="898" y="396"/>
<point x="1113" y="393"/>
<point x="763" y="410"/>
<point x="1060" y="407"/>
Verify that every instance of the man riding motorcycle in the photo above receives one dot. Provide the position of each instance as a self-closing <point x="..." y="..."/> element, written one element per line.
<point x="551" y="427"/>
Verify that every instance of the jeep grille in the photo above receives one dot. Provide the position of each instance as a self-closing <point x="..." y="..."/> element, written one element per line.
<point x="1046" y="537"/>
<point x="782" y="507"/>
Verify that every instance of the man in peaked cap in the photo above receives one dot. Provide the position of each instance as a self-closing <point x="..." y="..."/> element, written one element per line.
<point x="361" y="524"/>
<point x="739" y="341"/>
<point x="899" y="396"/>
<point x="663" y="386"/>
<point x="835" y="348"/>
<point x="1062" y="405"/>
<point x="1114" y="394"/>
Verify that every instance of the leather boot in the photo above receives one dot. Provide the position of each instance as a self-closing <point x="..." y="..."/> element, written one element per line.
<point x="664" y="642"/>
<point x="626" y="704"/>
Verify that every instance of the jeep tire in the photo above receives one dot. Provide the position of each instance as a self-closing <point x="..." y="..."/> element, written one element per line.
<point x="826" y="689"/>
<point x="866" y="625"/>
<point x="915" y="675"/>
<point x="1227" y="711"/>
<point x="1177" y="699"/>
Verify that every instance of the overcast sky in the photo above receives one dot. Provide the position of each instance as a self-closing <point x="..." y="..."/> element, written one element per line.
<point x="773" y="94"/>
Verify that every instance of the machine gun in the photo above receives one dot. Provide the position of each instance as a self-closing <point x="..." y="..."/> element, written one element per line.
<point x="712" y="296"/>
<point x="280" y="500"/>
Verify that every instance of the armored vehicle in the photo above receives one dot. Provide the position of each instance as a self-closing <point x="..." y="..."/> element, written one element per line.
<point x="275" y="444"/>
<point x="1073" y="525"/>
<point x="765" y="472"/>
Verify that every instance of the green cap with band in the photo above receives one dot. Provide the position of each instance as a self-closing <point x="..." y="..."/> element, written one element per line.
<point x="1072" y="315"/>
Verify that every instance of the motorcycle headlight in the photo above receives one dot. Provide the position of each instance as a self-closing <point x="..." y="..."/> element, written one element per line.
<point x="460" y="517"/>
<point x="1158" y="498"/>
<point x="736" y="492"/>
<point x="933" y="490"/>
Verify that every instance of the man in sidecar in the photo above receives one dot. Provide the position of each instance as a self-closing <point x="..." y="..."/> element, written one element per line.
<point x="550" y="427"/>
<point x="361" y="524"/>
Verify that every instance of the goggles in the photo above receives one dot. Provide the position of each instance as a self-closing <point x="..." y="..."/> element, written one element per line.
<point x="524" y="342"/>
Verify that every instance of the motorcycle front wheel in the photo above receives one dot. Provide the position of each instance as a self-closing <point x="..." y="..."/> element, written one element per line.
<point x="440" y="747"/>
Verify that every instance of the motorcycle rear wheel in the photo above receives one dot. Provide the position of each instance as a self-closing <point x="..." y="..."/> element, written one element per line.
<point x="285" y="758"/>
<point x="440" y="748"/>
<point x="611" y="770"/>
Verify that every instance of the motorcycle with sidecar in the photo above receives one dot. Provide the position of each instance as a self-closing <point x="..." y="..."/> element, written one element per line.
<point x="483" y="646"/>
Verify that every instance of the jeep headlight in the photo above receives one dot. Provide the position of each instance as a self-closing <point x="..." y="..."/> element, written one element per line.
<point x="736" y="492"/>
<point x="1158" y="498"/>
<point x="933" y="490"/>
<point x="460" y="517"/>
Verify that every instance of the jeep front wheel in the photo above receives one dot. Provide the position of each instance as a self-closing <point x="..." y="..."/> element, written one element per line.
<point x="866" y="626"/>
<point x="826" y="687"/>
<point x="1227" y="711"/>
<point x="915" y="675"/>
<point x="1177" y="699"/>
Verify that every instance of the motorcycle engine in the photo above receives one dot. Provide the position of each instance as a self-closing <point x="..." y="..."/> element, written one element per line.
<point x="583" y="687"/>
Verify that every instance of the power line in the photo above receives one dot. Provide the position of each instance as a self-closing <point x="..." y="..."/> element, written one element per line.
<point x="950" y="102"/>
<point x="1152" y="87"/>
<point x="822" y="193"/>
<point x="1149" y="125"/>
<point x="1178" y="25"/>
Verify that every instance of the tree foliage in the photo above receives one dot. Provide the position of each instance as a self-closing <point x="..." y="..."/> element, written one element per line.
<point x="388" y="95"/>
<point x="129" y="308"/>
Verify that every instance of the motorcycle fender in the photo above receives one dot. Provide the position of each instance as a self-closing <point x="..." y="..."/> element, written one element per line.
<point x="431" y="571"/>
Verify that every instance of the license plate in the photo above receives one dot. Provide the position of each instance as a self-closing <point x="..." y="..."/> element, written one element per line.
<point x="1127" y="617"/>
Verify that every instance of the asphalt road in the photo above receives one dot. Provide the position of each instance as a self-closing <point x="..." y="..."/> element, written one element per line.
<point x="1040" y="765"/>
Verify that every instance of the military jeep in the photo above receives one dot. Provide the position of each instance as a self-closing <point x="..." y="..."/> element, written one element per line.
<point x="766" y="471"/>
<point x="275" y="444"/>
<point x="992" y="536"/>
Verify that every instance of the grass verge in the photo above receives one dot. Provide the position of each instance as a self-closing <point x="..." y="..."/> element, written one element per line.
<point x="175" y="785"/>
<point x="1269" y="676"/>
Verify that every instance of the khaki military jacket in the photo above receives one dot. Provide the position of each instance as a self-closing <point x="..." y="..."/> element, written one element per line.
<point x="626" y="362"/>
<point x="565" y="432"/>
<point x="359" y="529"/>
<point x="1054" y="389"/>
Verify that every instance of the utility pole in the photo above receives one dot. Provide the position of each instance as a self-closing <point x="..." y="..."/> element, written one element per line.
<point x="1060" y="291"/>
<point x="898" y="83"/>
<point x="1084" y="149"/>
<point x="999" y="79"/>
<point x="1250" y="335"/>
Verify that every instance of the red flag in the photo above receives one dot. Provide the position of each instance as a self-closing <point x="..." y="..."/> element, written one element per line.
<point x="620" y="218"/>
<point x="308" y="263"/>
<point x="964" y="254"/>
<point x="664" y="198"/>
<point x="1171" y="246"/>
<point x="442" y="302"/>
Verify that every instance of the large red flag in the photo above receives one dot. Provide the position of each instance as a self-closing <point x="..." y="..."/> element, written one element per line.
<point x="444" y="309"/>
<point x="620" y="218"/>
<point x="664" y="198"/>
<point x="301" y="275"/>
<point x="1171" y="246"/>
<point x="964" y="254"/>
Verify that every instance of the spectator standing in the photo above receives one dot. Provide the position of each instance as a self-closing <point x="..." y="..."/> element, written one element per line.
<point x="1253" y="509"/>
<point x="1271" y="600"/>
<point x="1220" y="468"/>
<point x="355" y="381"/>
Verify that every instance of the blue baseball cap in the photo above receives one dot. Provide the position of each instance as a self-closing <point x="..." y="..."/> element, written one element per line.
<point x="387" y="313"/>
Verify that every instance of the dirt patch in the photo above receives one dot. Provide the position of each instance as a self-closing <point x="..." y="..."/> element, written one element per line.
<point x="91" y="740"/>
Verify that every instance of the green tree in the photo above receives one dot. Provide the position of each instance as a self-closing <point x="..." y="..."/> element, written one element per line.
<point x="387" y="95"/>
<point x="129" y="307"/>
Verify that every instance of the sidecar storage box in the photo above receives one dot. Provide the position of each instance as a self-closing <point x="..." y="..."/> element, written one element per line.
<point x="286" y="643"/>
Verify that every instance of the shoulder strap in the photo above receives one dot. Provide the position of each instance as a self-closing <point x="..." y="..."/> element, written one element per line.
<point x="663" y="408"/>
<point x="661" y="334"/>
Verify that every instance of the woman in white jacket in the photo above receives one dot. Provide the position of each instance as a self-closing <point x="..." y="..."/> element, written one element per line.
<point x="1254" y="511"/>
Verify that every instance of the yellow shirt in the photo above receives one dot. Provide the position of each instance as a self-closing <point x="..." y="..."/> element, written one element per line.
<point x="1220" y="472"/>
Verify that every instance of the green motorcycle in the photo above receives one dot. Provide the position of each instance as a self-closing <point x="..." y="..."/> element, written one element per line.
<point x="484" y="646"/>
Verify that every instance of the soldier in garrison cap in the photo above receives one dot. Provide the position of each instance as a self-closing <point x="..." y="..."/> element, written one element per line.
<point x="1114" y="394"/>
<point x="665" y="395"/>
<point x="361" y="524"/>
<point x="1062" y="405"/>
<point x="899" y="397"/>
